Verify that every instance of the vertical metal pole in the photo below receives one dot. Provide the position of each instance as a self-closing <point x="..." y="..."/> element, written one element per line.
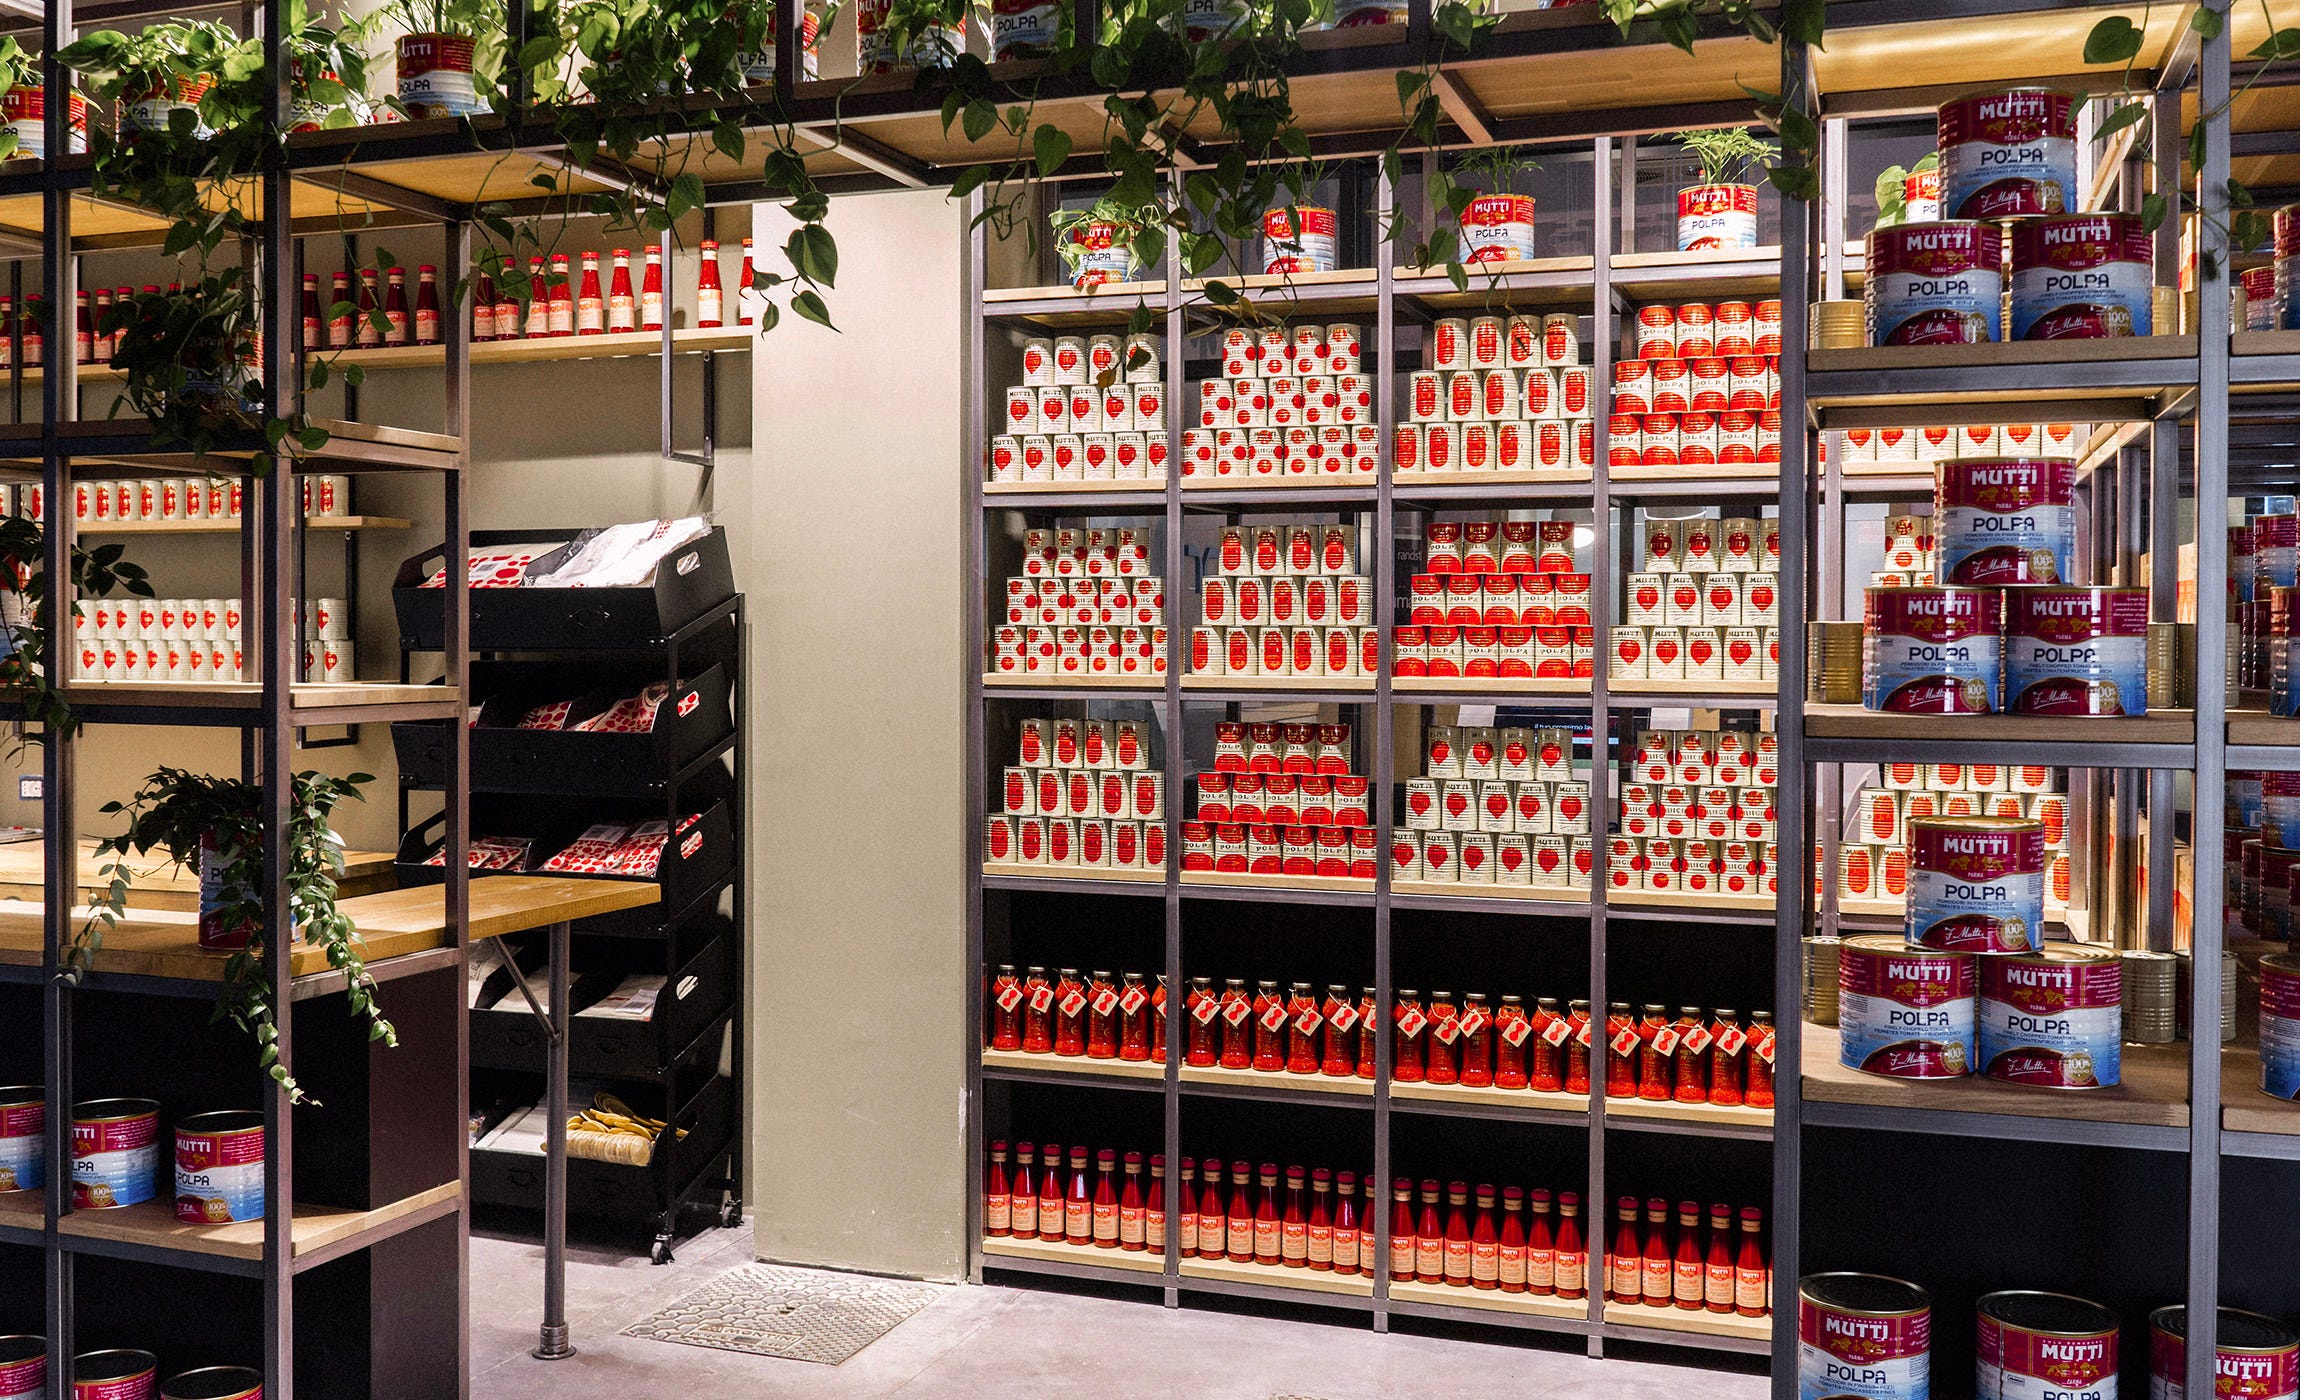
<point x="551" y="1343"/>
<point x="974" y="373"/>
<point x="1825" y="799"/>
<point x="455" y="332"/>
<point x="2211" y="708"/>
<point x="1602" y="335"/>
<point x="2163" y="440"/>
<point x="1380" y="764"/>
<point x="1170" y="705"/>
<point x="663" y="248"/>
<point x="1796" y="591"/>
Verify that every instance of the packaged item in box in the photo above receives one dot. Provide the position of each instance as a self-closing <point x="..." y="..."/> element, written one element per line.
<point x="506" y="568"/>
<point x="621" y="556"/>
<point x="552" y="715"/>
<point x="633" y="715"/>
<point x="632" y="1000"/>
<point x="592" y="853"/>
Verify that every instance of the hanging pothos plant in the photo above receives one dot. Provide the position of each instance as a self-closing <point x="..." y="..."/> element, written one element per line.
<point x="24" y="602"/>
<point x="214" y="826"/>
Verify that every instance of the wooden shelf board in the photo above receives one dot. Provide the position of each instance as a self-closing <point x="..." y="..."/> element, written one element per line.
<point x="2244" y="1106"/>
<point x="165" y="943"/>
<point x="1692" y="904"/>
<point x="1039" y="681"/>
<point x="1065" y="488"/>
<point x="1854" y="722"/>
<point x="1352" y="1087"/>
<point x="2265" y="343"/>
<point x="232" y="526"/>
<point x="1352" y="684"/>
<point x="1769" y="473"/>
<point x="1274" y="1276"/>
<point x="1069" y="1064"/>
<point x="1307" y="884"/>
<point x="154" y="1223"/>
<point x="1492" y="1300"/>
<point x="1479" y="273"/>
<point x="1080" y="873"/>
<point x="1192" y="485"/>
<point x="1455" y="889"/>
<point x="1755" y="690"/>
<point x="1259" y="282"/>
<point x="1575" y="686"/>
<point x="1730" y="1115"/>
<point x="159" y="883"/>
<point x="2252" y="727"/>
<point x="1084" y="296"/>
<point x="247" y="695"/>
<point x="1707" y="1324"/>
<point x="2154" y="1090"/>
<point x="1560" y="476"/>
<point x="2002" y="354"/>
<point x="1495" y="1098"/>
<point x="1062" y="1252"/>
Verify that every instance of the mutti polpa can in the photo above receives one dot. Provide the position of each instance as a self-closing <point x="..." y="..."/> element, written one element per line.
<point x="2280" y="1025"/>
<point x="1863" y="1335"/>
<point x="23" y="1140"/>
<point x="2053" y="1019"/>
<point x="2076" y="651"/>
<point x="2044" y="1346"/>
<point x="1497" y="228"/>
<point x="115" y="1153"/>
<point x="2008" y="155"/>
<point x="2254" y="1357"/>
<point x="1902" y="1012"/>
<point x="1935" y="284"/>
<point x="23" y="1367"/>
<point x="1976" y="884"/>
<point x="215" y="1383"/>
<point x="115" y="1375"/>
<point x="1932" y="650"/>
<point x="2003" y="520"/>
<point x="220" y="1168"/>
<point x="2081" y="277"/>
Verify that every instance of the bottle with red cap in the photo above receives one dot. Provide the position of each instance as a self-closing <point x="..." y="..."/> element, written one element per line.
<point x="997" y="1195"/>
<point x="538" y="322"/>
<point x="369" y="333"/>
<point x="562" y="319"/>
<point x="710" y="299"/>
<point x="314" y="324"/>
<point x="1656" y="1268"/>
<point x="104" y="337"/>
<point x="747" y="297"/>
<point x="622" y="306"/>
<point x="340" y="311"/>
<point x="1623" y="1281"/>
<point x="83" y="328"/>
<point x="1572" y="1255"/>
<point x="651" y="291"/>
<point x="507" y="318"/>
<point x="590" y="306"/>
<point x="398" y="323"/>
<point x="426" y="305"/>
<point x="482" y="308"/>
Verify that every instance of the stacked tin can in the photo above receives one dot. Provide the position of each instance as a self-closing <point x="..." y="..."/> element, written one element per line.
<point x="1081" y="793"/>
<point x="1873" y="857"/>
<point x="1281" y="799"/>
<point x="1289" y="405"/>
<point x="1704" y="389"/>
<point x="1495" y="806"/>
<point x="2287" y="264"/>
<point x="1833" y="662"/>
<point x="1496" y="598"/>
<point x="1084" y="604"/>
<point x="1822" y="956"/>
<point x="1501" y="393"/>
<point x="1089" y="408"/>
<point x="1285" y="601"/>
<point x="1928" y="447"/>
<point x="1705" y="605"/>
<point x="172" y="500"/>
<point x="2151" y="997"/>
<point x="1698" y="815"/>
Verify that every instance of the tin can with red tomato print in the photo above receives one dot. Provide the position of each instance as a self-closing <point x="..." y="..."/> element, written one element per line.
<point x="1300" y="238"/>
<point x="1497" y="228"/>
<point x="1716" y="216"/>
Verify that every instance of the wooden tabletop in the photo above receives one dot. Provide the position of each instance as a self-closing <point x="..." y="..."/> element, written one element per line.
<point x="161" y="883"/>
<point x="165" y="943"/>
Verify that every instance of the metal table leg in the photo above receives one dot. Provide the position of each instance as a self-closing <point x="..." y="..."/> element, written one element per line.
<point x="551" y="1342"/>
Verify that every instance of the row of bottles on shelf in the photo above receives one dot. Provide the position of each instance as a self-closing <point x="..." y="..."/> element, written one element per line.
<point x="1723" y="1271"/>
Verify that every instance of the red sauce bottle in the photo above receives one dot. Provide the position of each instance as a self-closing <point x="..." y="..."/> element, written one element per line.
<point x="1240" y="1233"/>
<point x="1199" y="1007"/>
<point x="1005" y="1009"/>
<point x="1404" y="1252"/>
<point x="1321" y="1222"/>
<point x="562" y="307"/>
<point x="1154" y="1207"/>
<point x="1476" y="1029"/>
<point x="1158" y="1021"/>
<point x="1237" y="1016"/>
<point x="102" y="340"/>
<point x="1106" y="1209"/>
<point x="1369" y="1043"/>
<point x="1429" y="1237"/>
<point x="1078" y="1201"/>
<point x="1052" y="1187"/>
<point x="1407" y="1023"/>
<point x="1621" y="1042"/>
<point x="34" y="325"/>
<point x="710" y="298"/>
<point x="1303" y="1020"/>
<point x="1752" y="1272"/>
<point x="1134" y="1019"/>
<point x="1512" y="1036"/>
<point x="1759" y="1093"/>
<point x="1688" y="1279"/>
<point x="1268" y="1228"/>
<point x="1440" y="1065"/>
<point x="538" y="300"/>
<point x="426" y="305"/>
<point x="651" y="292"/>
<point x="997" y="1195"/>
<point x="1717" y="1270"/>
<point x="1186" y="1203"/>
<point x="1101" y="1017"/>
<point x="1269" y="1028"/>
<point x="1484" y="1243"/>
<point x="1340" y="1015"/>
<point x="1460" y="1244"/>
<point x="1037" y="1013"/>
<point x="1022" y="1194"/>
<point x="506" y="308"/>
<point x="590" y="306"/>
<point x="1578" y="1032"/>
<point x="369" y="332"/>
<point x="746" y="295"/>
<point x="1623" y="1283"/>
<point x="83" y="328"/>
<point x="1294" y="1224"/>
<point x="1350" y="1241"/>
<point x="1069" y="1013"/>
<point x="1692" y="1061"/>
<point x="1572" y="1256"/>
<point x="339" y="323"/>
<point x="1213" y="1227"/>
<point x="1509" y="1251"/>
<point x="1540" y="1250"/>
<point x="622" y="307"/>
<point x="1656" y="1055"/>
<point x="314" y="324"/>
<point x="1726" y="1044"/>
<point x="1657" y="1268"/>
<point x="395" y="317"/>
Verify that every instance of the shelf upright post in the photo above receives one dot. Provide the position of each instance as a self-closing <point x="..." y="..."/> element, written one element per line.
<point x="2212" y="106"/>
<point x="1602" y="333"/>
<point x="1796" y="590"/>
<point x="1829" y="543"/>
<point x="455" y="640"/>
<point x="2164" y="532"/>
<point x="1381" y="763"/>
<point x="59" y="400"/>
<point x="974" y="375"/>
<point x="1170" y="705"/>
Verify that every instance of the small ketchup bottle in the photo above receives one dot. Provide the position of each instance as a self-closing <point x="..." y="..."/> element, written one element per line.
<point x="1484" y="1243"/>
<point x="1717" y="1270"/>
<point x="746" y="295"/>
<point x="482" y="308"/>
<point x="651" y="292"/>
<point x="1213" y="1219"/>
<point x="1037" y="1014"/>
<point x="1752" y="1272"/>
<point x="314" y="324"/>
<point x="1340" y="1017"/>
<point x="1407" y="1022"/>
<point x="1269" y="1227"/>
<point x="1052" y="1187"/>
<point x="1238" y="1235"/>
<point x="622" y="307"/>
<point x="1540" y="1250"/>
<point x="1691" y="1069"/>
<point x="1154" y="1207"/>
<point x="590" y="307"/>
<point x="1510" y="1249"/>
<point x="369" y="333"/>
<point x="1476" y="1029"/>
<point x="1005" y="1009"/>
<point x="1459" y="1249"/>
<point x="1440" y="1065"/>
<point x="1687" y="1285"/>
<point x="997" y="1200"/>
<point x="1349" y="1234"/>
<point x="1294" y="1224"/>
<point x="83" y="328"/>
<point x="710" y="299"/>
<point x="1429" y="1237"/>
<point x="1105" y="1214"/>
<point x="395" y="314"/>
<point x="1657" y="1269"/>
<point x="1022" y="1194"/>
<point x="1269" y="1028"/>
<point x="1656" y="1055"/>
<point x="562" y="309"/>
<point x="1572" y="1256"/>
<point x="101" y="339"/>
<point x="339" y="323"/>
<point x="1405" y="1252"/>
<point x="538" y="300"/>
<point x="1621" y="1042"/>
<point x="1078" y="1202"/>
<point x="1321" y="1222"/>
<point x="1623" y="1280"/>
<point x="426" y="305"/>
<point x="1199" y="1008"/>
<point x="507" y="322"/>
<point x="1727" y="1042"/>
<point x="1237" y="1016"/>
<point x="1186" y="1199"/>
<point x="1134" y="1019"/>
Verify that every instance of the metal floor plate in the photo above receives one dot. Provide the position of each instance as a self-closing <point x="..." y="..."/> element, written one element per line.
<point x="797" y="1314"/>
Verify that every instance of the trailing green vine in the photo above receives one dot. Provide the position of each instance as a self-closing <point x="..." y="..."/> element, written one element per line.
<point x="25" y="669"/>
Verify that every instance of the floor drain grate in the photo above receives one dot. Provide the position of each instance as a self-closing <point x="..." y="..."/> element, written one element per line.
<point x="795" y="1314"/>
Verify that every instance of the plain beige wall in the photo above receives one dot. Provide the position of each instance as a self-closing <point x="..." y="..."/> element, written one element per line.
<point x="851" y="522"/>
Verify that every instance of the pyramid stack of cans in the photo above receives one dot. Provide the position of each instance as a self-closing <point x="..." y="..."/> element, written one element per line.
<point x="1290" y="405"/>
<point x="1083" y="795"/>
<point x="181" y="641"/>
<point x="1873" y="849"/>
<point x="1085" y="604"/>
<point x="2263" y="567"/>
<point x="1501" y="394"/>
<point x="1928" y="447"/>
<point x="1285" y="601"/>
<point x="1495" y="807"/>
<point x="1089" y="408"/>
<point x="1704" y="389"/>
<point x="1281" y="799"/>
<point x="1496" y="598"/>
<point x="1706" y="606"/>
<point x="1697" y="815"/>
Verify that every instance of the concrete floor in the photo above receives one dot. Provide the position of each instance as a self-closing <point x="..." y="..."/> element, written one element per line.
<point x="995" y="1341"/>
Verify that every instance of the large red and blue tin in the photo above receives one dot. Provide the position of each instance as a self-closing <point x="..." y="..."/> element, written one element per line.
<point x="1935" y="284"/>
<point x="1932" y="650"/>
<point x="2076" y="651"/>
<point x="220" y="1168"/>
<point x="1865" y="1336"/>
<point x="2005" y="520"/>
<point x="2044" y="1346"/>
<point x="2253" y="1357"/>
<point x="2082" y="277"/>
<point x="2053" y="1019"/>
<point x="2280" y="1025"/>
<point x="1976" y="884"/>
<point x="2008" y="155"/>
<point x="1902" y="1012"/>
<point x="23" y="1139"/>
<point x="23" y="1367"/>
<point x="115" y="1153"/>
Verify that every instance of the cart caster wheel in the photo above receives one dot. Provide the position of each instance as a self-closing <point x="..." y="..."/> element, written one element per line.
<point x="731" y="1214"/>
<point x="662" y="1252"/>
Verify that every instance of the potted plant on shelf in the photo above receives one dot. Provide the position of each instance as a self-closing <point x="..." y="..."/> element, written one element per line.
<point x="215" y="826"/>
<point x="161" y="75"/>
<point x="188" y="359"/>
<point x="24" y="108"/>
<point x="1106" y="241"/>
<point x="1721" y="211"/>
<point x="1495" y="222"/>
<point x="1911" y="195"/>
<point x="450" y="56"/>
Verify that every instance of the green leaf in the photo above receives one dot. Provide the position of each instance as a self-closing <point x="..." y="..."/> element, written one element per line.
<point x="2124" y="116"/>
<point x="969" y="180"/>
<point x="319" y="372"/>
<point x="1051" y="145"/>
<point x="809" y="305"/>
<point x="2207" y="21"/>
<point x="728" y="138"/>
<point x="354" y="375"/>
<point x="2284" y="43"/>
<point x="770" y="316"/>
<point x="2114" y="40"/>
<point x="312" y="438"/>
<point x="977" y="120"/>
<point x="815" y="253"/>
<point x="1220" y="293"/>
